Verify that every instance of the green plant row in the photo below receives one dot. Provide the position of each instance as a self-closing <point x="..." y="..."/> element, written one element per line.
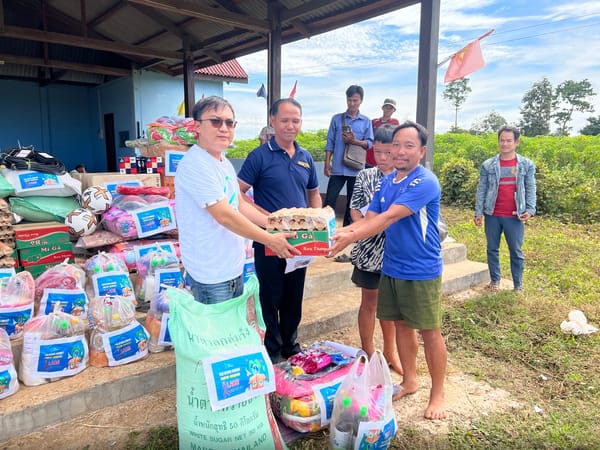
<point x="568" y="184"/>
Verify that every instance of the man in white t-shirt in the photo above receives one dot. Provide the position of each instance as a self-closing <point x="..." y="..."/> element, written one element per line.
<point x="212" y="217"/>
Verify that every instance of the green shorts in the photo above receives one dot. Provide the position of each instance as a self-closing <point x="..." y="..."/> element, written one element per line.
<point x="418" y="303"/>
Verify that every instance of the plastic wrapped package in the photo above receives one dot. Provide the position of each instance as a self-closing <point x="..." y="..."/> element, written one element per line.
<point x="127" y="250"/>
<point x="63" y="276"/>
<point x="6" y="188"/>
<point x="172" y="130"/>
<point x="120" y="222"/>
<point x="156" y="267"/>
<point x="43" y="209"/>
<point x="9" y="384"/>
<point x="119" y="218"/>
<point x="103" y="262"/>
<point x="156" y="324"/>
<point x="108" y="275"/>
<point x="123" y="189"/>
<point x="54" y="346"/>
<point x="304" y="400"/>
<point x="16" y="303"/>
<point x="99" y="238"/>
<point x="116" y="338"/>
<point x="32" y="183"/>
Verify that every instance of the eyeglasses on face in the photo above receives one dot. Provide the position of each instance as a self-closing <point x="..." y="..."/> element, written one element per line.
<point x="218" y="123"/>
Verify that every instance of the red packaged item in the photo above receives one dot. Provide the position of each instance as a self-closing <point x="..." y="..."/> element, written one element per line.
<point x="143" y="190"/>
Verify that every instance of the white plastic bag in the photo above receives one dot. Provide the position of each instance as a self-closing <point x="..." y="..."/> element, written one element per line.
<point x="379" y="429"/>
<point x="349" y="406"/>
<point x="363" y="415"/>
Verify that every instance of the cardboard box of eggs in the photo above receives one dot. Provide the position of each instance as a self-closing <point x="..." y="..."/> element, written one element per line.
<point x="314" y="228"/>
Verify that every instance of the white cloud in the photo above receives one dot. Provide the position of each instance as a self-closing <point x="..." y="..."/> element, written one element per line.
<point x="532" y="40"/>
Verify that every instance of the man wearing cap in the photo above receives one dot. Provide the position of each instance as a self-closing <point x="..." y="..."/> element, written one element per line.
<point x="388" y="108"/>
<point x="265" y="135"/>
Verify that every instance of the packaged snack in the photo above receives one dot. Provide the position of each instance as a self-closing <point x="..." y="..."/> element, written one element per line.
<point x="306" y="387"/>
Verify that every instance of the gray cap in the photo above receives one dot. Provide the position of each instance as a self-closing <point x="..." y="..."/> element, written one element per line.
<point x="390" y="101"/>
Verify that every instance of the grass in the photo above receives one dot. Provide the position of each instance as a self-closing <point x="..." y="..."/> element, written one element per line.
<point x="510" y="340"/>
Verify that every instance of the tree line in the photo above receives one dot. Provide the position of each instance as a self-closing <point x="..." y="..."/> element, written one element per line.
<point x="541" y="105"/>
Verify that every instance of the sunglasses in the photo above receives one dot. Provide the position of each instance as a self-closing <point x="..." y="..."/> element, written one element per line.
<point x="218" y="123"/>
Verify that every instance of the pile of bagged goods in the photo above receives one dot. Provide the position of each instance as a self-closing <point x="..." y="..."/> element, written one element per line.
<point x="80" y="254"/>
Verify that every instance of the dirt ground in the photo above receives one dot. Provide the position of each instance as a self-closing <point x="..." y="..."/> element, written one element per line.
<point x="466" y="399"/>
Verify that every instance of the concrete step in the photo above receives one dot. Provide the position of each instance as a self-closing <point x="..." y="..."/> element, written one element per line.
<point x="35" y="407"/>
<point x="328" y="312"/>
<point x="453" y="252"/>
<point x="326" y="275"/>
<point x="331" y="303"/>
<point x="463" y="275"/>
<point x="335" y="309"/>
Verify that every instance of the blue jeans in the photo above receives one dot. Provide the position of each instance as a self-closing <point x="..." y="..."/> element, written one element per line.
<point x="209" y="294"/>
<point x="513" y="230"/>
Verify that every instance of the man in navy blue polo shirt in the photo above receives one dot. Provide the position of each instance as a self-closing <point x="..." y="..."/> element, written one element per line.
<point x="282" y="175"/>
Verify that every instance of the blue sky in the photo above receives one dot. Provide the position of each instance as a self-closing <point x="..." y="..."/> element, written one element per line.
<point x="533" y="39"/>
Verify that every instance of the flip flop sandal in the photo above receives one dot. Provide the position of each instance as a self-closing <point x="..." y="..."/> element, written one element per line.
<point x="343" y="258"/>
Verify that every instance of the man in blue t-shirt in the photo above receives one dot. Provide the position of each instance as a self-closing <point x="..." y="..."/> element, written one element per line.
<point x="282" y="175"/>
<point x="406" y="206"/>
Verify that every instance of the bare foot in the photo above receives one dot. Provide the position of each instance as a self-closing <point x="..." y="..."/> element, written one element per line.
<point x="394" y="363"/>
<point x="404" y="390"/>
<point x="435" y="410"/>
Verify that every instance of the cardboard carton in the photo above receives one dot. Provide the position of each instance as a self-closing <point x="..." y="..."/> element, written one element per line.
<point x="309" y="242"/>
<point x="41" y="234"/>
<point x="45" y="254"/>
<point x="104" y="178"/>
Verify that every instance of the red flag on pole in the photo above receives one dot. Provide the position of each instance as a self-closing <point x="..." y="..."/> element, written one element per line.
<point x="293" y="91"/>
<point x="466" y="61"/>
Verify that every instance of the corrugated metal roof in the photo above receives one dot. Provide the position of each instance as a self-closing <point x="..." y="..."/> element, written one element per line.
<point x="114" y="36"/>
<point x="228" y="69"/>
